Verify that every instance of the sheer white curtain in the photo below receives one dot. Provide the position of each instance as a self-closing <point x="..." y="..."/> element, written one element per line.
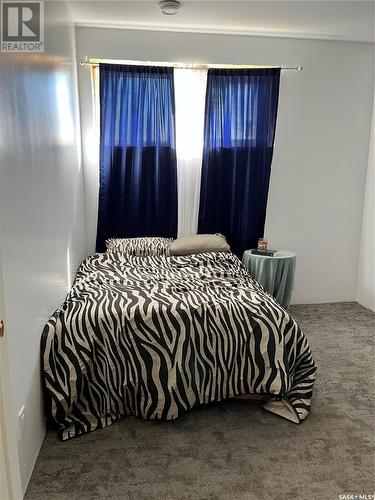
<point x="190" y="93"/>
<point x="91" y="158"/>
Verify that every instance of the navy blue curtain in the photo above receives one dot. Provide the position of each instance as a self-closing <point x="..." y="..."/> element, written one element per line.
<point x="138" y="172"/>
<point x="240" y="121"/>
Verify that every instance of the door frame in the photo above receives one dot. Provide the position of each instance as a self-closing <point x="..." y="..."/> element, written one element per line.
<point x="8" y="438"/>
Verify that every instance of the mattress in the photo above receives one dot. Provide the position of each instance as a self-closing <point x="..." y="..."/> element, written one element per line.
<point x="156" y="336"/>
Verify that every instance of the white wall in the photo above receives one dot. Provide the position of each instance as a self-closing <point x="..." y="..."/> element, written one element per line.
<point x="41" y="203"/>
<point x="319" y="166"/>
<point x="366" y="274"/>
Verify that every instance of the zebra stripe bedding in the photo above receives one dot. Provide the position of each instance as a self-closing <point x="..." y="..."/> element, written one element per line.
<point x="155" y="336"/>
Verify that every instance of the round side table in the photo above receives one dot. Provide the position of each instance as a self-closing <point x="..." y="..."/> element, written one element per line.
<point x="276" y="273"/>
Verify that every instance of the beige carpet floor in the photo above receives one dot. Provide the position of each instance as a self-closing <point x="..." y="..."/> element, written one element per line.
<point x="235" y="450"/>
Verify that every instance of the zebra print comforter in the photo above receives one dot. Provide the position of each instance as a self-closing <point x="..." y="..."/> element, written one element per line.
<point x="156" y="336"/>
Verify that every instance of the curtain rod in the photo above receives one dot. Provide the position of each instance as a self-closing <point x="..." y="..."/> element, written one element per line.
<point x="95" y="62"/>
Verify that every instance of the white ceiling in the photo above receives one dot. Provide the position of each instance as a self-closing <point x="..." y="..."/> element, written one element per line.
<point x="332" y="20"/>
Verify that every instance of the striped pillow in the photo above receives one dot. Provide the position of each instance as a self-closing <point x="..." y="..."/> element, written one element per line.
<point x="143" y="247"/>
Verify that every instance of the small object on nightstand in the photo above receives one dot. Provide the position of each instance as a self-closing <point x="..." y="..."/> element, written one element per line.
<point x="262" y="245"/>
<point x="268" y="252"/>
<point x="275" y="273"/>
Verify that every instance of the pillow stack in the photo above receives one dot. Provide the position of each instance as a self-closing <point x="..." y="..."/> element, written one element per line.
<point x="151" y="246"/>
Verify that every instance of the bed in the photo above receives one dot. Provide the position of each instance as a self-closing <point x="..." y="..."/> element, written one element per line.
<point x="156" y="336"/>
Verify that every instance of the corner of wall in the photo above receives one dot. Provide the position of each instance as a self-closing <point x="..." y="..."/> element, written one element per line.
<point x="366" y="266"/>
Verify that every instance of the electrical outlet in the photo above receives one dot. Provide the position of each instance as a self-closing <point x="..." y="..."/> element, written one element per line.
<point x="22" y="422"/>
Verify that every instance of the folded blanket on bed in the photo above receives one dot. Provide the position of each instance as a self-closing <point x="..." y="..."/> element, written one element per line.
<point x="156" y="336"/>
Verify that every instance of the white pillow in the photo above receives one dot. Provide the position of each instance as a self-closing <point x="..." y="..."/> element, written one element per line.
<point x="199" y="243"/>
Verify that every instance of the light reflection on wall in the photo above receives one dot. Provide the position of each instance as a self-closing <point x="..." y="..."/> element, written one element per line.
<point x="68" y="268"/>
<point x="66" y="132"/>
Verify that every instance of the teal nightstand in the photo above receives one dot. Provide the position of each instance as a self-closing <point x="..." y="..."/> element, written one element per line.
<point x="276" y="274"/>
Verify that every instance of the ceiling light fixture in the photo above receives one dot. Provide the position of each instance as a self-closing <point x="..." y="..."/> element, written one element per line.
<point x="170" y="7"/>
